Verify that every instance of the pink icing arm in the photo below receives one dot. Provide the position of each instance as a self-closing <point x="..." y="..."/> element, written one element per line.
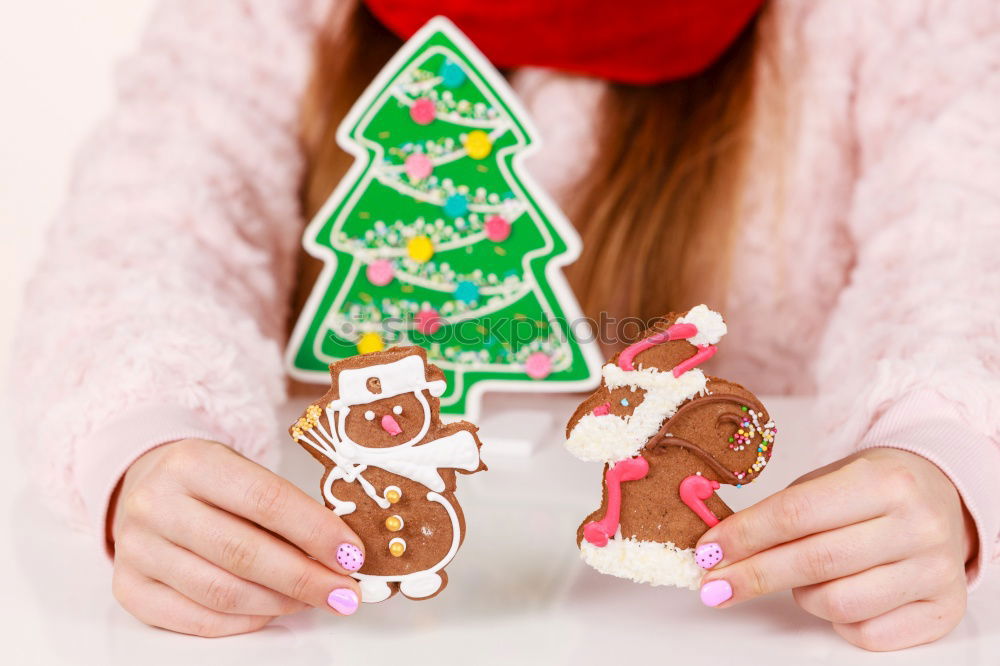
<point x="704" y="353"/>
<point x="694" y="490"/>
<point x="597" y="532"/>
<point x="675" y="332"/>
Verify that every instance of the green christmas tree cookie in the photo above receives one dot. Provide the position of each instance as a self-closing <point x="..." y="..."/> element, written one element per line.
<point x="436" y="237"/>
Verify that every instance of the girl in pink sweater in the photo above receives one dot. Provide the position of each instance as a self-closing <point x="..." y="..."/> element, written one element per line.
<point x="848" y="152"/>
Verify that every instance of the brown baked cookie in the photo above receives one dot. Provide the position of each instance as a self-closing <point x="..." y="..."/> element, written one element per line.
<point x="390" y="468"/>
<point x="668" y="436"/>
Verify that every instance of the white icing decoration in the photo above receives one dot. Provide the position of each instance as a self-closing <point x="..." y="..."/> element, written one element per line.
<point x="609" y="438"/>
<point x="419" y="463"/>
<point x="711" y="326"/>
<point x="419" y="582"/>
<point x="644" y="562"/>
<point x="397" y="410"/>
<point x="370" y="415"/>
<point x="406" y="375"/>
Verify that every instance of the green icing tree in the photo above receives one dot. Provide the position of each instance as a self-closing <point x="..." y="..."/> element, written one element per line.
<point x="436" y="238"/>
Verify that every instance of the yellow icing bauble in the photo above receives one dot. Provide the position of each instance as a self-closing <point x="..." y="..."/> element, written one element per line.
<point x="393" y="495"/>
<point x="394" y="523"/>
<point x="397" y="547"/>
<point x="420" y="248"/>
<point x="478" y="144"/>
<point x="370" y="342"/>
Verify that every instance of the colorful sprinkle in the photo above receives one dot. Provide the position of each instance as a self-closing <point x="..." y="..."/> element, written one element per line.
<point x="538" y="365"/>
<point x="423" y="112"/>
<point x="478" y="144"/>
<point x="456" y="205"/>
<point x="370" y="342"/>
<point x="467" y="292"/>
<point x="420" y="248"/>
<point x="497" y="228"/>
<point x="452" y="75"/>
<point x="418" y="166"/>
<point x="380" y="272"/>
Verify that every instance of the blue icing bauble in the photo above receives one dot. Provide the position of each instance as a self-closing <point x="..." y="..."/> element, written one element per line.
<point x="456" y="205"/>
<point x="452" y="75"/>
<point x="467" y="292"/>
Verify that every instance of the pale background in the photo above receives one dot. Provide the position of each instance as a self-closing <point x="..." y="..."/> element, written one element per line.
<point x="56" y="71"/>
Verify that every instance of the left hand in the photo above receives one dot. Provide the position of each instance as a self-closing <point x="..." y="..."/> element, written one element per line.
<point x="875" y="543"/>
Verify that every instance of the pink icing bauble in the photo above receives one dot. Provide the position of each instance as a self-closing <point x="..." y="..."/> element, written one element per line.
<point x="538" y="365"/>
<point x="418" y="166"/>
<point x="380" y="272"/>
<point x="423" y="111"/>
<point x="497" y="229"/>
<point x="428" y="321"/>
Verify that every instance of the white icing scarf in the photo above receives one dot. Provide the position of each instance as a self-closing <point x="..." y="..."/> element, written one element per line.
<point x="417" y="463"/>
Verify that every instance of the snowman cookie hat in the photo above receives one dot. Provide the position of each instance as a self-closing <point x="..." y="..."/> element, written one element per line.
<point x="360" y="386"/>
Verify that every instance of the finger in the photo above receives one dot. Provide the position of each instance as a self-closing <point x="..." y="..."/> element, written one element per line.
<point x="250" y="553"/>
<point x="246" y="489"/>
<point x="871" y="593"/>
<point x="814" y="559"/>
<point x="814" y="506"/>
<point x="158" y="605"/>
<point x="203" y="582"/>
<point x="913" y="624"/>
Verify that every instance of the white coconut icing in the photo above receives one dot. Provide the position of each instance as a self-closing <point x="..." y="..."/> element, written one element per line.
<point x="610" y="437"/>
<point x="645" y="562"/>
<point x="710" y="325"/>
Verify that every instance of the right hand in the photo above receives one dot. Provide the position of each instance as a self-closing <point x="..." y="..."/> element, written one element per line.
<point x="209" y="543"/>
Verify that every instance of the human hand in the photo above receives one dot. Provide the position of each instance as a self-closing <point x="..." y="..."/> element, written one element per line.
<point x="212" y="544"/>
<point x="875" y="543"/>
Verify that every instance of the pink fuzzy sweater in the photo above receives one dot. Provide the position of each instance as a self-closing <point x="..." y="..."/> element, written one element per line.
<point x="867" y="265"/>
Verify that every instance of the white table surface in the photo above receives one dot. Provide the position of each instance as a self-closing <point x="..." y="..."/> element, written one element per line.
<point x="518" y="593"/>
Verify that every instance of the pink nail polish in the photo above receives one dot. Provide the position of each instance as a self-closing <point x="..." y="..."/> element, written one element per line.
<point x="714" y="592"/>
<point x="708" y="555"/>
<point x="343" y="600"/>
<point x="350" y="556"/>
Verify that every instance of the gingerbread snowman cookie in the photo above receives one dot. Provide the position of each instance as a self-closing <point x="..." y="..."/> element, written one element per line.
<point x="391" y="466"/>
<point x="669" y="435"/>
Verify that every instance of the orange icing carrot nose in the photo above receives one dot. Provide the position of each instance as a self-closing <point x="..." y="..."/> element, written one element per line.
<point x="390" y="426"/>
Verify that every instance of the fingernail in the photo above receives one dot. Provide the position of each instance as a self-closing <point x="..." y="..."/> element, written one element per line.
<point x="343" y="600"/>
<point x="714" y="592"/>
<point x="708" y="555"/>
<point x="350" y="556"/>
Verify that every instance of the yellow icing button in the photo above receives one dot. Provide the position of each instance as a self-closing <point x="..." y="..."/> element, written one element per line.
<point x="397" y="547"/>
<point x="370" y="342"/>
<point x="420" y="248"/>
<point x="478" y="144"/>
<point x="394" y="523"/>
<point x="393" y="494"/>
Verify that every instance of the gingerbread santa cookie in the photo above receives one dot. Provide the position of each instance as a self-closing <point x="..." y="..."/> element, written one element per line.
<point x="390" y="468"/>
<point x="668" y="436"/>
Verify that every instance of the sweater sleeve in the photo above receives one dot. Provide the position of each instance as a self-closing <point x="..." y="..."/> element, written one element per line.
<point x="159" y="307"/>
<point x="911" y="351"/>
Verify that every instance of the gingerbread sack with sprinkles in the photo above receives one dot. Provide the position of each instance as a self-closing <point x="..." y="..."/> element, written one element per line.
<point x="669" y="436"/>
<point x="436" y="236"/>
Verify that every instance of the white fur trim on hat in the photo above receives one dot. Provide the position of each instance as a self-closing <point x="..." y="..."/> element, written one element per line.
<point x="711" y="326"/>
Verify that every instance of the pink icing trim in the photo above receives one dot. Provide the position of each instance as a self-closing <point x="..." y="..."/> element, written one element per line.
<point x="632" y="469"/>
<point x="704" y="353"/>
<point x="675" y="332"/>
<point x="694" y="490"/>
<point x="602" y="410"/>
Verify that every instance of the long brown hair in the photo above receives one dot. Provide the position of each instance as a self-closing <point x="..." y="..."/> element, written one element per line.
<point x="655" y="211"/>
